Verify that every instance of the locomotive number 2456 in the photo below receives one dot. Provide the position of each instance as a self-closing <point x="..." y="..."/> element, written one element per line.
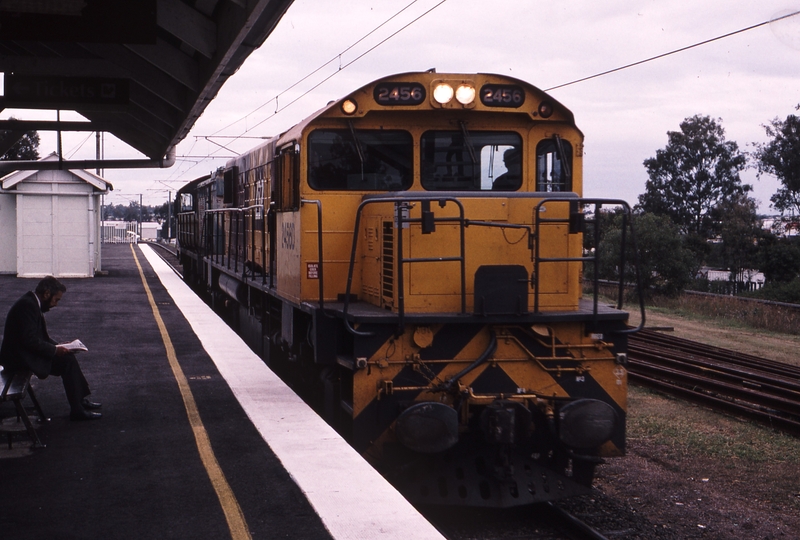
<point x="399" y="93"/>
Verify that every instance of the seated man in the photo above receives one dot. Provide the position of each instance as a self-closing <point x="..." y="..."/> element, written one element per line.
<point x="27" y="345"/>
<point x="511" y="179"/>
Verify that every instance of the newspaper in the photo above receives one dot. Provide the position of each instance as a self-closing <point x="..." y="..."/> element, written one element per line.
<point x="74" y="346"/>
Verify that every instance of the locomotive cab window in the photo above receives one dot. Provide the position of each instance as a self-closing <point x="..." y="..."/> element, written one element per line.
<point x="360" y="160"/>
<point x="554" y="165"/>
<point x="187" y="204"/>
<point x="288" y="183"/>
<point x="471" y="160"/>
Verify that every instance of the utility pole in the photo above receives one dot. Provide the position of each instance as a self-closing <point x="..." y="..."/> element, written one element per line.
<point x="140" y="216"/>
<point x="169" y="216"/>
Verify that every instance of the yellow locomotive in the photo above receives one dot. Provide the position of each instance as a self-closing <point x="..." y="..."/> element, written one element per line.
<point x="410" y="258"/>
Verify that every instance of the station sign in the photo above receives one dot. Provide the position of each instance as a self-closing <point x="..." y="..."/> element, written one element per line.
<point x="40" y="92"/>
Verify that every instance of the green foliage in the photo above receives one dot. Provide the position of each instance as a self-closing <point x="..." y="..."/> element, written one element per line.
<point x="128" y="213"/>
<point x="780" y="259"/>
<point x="666" y="265"/>
<point x="696" y="171"/>
<point x="779" y="291"/>
<point x="781" y="157"/>
<point x="736" y="224"/>
<point x="26" y="147"/>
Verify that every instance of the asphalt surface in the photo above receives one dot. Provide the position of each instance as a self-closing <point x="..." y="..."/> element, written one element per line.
<point x="137" y="472"/>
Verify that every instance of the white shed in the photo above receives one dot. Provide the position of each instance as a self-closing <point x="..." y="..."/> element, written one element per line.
<point x="50" y="222"/>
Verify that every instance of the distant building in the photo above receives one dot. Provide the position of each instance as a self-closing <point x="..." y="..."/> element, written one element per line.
<point x="50" y="222"/>
<point x="784" y="227"/>
<point x="751" y="279"/>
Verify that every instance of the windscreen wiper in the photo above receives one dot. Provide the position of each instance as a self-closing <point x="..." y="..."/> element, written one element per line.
<point x="563" y="156"/>
<point x="467" y="140"/>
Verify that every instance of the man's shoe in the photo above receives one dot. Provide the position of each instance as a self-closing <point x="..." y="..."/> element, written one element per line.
<point x="90" y="404"/>
<point x="85" y="415"/>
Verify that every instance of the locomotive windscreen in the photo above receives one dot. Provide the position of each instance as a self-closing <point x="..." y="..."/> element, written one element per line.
<point x="360" y="159"/>
<point x="471" y="161"/>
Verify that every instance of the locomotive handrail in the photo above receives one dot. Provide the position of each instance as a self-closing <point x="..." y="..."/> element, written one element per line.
<point x="318" y="204"/>
<point x="593" y="258"/>
<point x="400" y="220"/>
<point x="241" y="211"/>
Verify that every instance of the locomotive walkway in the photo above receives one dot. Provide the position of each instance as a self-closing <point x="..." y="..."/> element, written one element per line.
<point x="198" y="440"/>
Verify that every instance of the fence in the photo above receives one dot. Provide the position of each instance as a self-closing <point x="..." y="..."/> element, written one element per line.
<point x="120" y="232"/>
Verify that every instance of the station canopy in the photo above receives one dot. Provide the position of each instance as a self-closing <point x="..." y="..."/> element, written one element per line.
<point x="141" y="70"/>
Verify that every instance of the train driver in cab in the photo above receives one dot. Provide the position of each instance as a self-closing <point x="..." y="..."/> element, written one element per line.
<point x="512" y="178"/>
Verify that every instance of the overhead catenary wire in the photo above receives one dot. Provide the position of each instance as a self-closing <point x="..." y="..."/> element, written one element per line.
<point x="344" y="66"/>
<point x="340" y="69"/>
<point x="334" y="59"/>
<point x="676" y="51"/>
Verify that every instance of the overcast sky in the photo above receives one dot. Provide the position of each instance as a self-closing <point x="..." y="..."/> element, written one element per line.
<point x="746" y="79"/>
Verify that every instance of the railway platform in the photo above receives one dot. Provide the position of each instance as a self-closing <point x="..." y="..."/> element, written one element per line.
<point x="198" y="439"/>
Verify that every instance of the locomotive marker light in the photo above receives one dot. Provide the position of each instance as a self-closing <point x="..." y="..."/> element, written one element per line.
<point x="545" y="109"/>
<point x="349" y="106"/>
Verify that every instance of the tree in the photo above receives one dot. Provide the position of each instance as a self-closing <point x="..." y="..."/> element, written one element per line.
<point x="161" y="212"/>
<point x="695" y="172"/>
<point x="780" y="259"/>
<point x="737" y="225"/>
<point x="781" y="157"/>
<point x="666" y="265"/>
<point x="25" y="147"/>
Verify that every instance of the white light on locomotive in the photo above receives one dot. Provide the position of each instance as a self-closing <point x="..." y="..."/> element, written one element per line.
<point x="349" y="106"/>
<point x="465" y="94"/>
<point x="443" y="93"/>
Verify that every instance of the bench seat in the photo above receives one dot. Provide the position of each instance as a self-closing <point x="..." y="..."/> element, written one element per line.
<point x="15" y="385"/>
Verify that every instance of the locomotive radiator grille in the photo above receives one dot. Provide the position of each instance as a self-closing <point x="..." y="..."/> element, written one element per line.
<point x="387" y="265"/>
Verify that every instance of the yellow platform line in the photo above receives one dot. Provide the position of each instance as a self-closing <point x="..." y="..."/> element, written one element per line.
<point x="230" y="506"/>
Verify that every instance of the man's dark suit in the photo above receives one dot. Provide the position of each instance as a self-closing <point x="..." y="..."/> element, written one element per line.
<point x="27" y="345"/>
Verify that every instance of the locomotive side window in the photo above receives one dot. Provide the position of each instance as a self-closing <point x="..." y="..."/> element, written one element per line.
<point x="287" y="184"/>
<point x="554" y="165"/>
<point x="186" y="202"/>
<point x="231" y="183"/>
<point x="471" y="160"/>
<point x="360" y="160"/>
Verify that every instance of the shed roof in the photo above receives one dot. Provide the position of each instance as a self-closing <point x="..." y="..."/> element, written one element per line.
<point x="10" y="181"/>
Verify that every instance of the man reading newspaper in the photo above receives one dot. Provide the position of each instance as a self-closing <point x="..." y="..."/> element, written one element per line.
<point x="27" y="345"/>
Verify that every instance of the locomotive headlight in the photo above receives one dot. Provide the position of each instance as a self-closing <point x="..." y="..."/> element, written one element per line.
<point x="427" y="427"/>
<point x="465" y="94"/>
<point x="349" y="106"/>
<point x="443" y="93"/>
<point x="545" y="109"/>
<point x="586" y="423"/>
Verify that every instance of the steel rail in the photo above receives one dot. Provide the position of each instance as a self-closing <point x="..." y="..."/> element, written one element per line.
<point x="745" y="385"/>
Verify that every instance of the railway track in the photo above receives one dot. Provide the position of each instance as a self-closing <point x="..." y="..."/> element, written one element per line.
<point x="168" y="255"/>
<point x="741" y="384"/>
<point x="542" y="521"/>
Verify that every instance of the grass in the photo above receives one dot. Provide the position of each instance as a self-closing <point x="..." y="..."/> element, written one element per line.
<point x="732" y="311"/>
<point x="683" y="429"/>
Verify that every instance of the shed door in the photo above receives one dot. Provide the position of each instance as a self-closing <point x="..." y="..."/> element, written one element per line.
<point x="53" y="236"/>
<point x="71" y="237"/>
